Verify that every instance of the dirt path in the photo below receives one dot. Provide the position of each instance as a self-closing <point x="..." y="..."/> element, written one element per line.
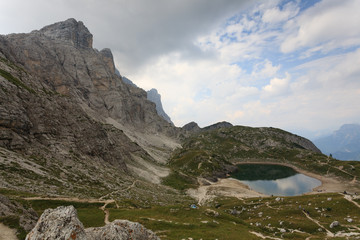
<point x="107" y="213"/>
<point x="7" y="233"/>
<point x="329" y="234"/>
<point x="260" y="235"/>
<point x="70" y="199"/>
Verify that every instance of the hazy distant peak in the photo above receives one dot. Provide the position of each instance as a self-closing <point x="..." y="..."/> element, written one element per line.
<point x="343" y="144"/>
<point x="155" y="97"/>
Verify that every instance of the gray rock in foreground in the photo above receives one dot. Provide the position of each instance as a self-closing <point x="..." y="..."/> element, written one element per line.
<point x="63" y="223"/>
<point x="121" y="230"/>
<point x="59" y="223"/>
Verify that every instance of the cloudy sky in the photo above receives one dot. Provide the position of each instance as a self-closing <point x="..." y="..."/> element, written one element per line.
<point x="292" y="64"/>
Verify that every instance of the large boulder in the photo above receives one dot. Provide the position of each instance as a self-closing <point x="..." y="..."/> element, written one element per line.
<point x="59" y="223"/>
<point x="63" y="223"/>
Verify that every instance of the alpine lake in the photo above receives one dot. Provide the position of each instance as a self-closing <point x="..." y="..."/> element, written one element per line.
<point x="276" y="180"/>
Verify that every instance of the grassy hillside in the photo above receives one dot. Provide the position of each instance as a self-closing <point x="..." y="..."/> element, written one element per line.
<point x="213" y="153"/>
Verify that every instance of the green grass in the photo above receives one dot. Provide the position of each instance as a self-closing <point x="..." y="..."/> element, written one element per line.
<point x="178" y="181"/>
<point x="89" y="213"/>
<point x="178" y="222"/>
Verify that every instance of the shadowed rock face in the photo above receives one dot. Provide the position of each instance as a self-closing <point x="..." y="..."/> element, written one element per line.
<point x="63" y="223"/>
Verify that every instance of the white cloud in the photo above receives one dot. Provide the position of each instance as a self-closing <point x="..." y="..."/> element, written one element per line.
<point x="276" y="87"/>
<point x="265" y="69"/>
<point x="275" y="15"/>
<point x="331" y="23"/>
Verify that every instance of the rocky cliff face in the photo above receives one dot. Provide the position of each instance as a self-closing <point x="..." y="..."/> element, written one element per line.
<point x="63" y="223"/>
<point x="62" y="57"/>
<point x="155" y="97"/>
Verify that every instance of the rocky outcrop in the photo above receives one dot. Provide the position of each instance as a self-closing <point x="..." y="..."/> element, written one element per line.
<point x="191" y="127"/>
<point x="63" y="223"/>
<point x="59" y="223"/>
<point x="155" y="97"/>
<point x="70" y="31"/>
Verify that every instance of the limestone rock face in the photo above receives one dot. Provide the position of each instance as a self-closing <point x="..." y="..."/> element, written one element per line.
<point x="63" y="223"/>
<point x="62" y="57"/>
<point x="59" y="223"/>
<point x="71" y="31"/>
<point x="121" y="230"/>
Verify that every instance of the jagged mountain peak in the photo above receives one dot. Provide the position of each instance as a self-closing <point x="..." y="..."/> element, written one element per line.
<point x="70" y="30"/>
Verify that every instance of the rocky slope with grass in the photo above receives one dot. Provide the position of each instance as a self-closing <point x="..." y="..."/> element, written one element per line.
<point x="69" y="124"/>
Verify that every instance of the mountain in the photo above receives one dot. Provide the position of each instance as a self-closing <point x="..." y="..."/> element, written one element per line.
<point x="155" y="97"/>
<point x="343" y="144"/>
<point x="69" y="124"/>
<point x="213" y="152"/>
<point x="73" y="132"/>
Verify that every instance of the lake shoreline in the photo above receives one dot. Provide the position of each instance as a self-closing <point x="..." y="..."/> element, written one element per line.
<point x="327" y="184"/>
<point x="232" y="187"/>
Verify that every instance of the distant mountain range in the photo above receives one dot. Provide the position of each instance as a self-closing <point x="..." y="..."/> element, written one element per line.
<point x="343" y="144"/>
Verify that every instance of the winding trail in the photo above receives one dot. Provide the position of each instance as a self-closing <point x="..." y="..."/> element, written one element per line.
<point x="107" y="213"/>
